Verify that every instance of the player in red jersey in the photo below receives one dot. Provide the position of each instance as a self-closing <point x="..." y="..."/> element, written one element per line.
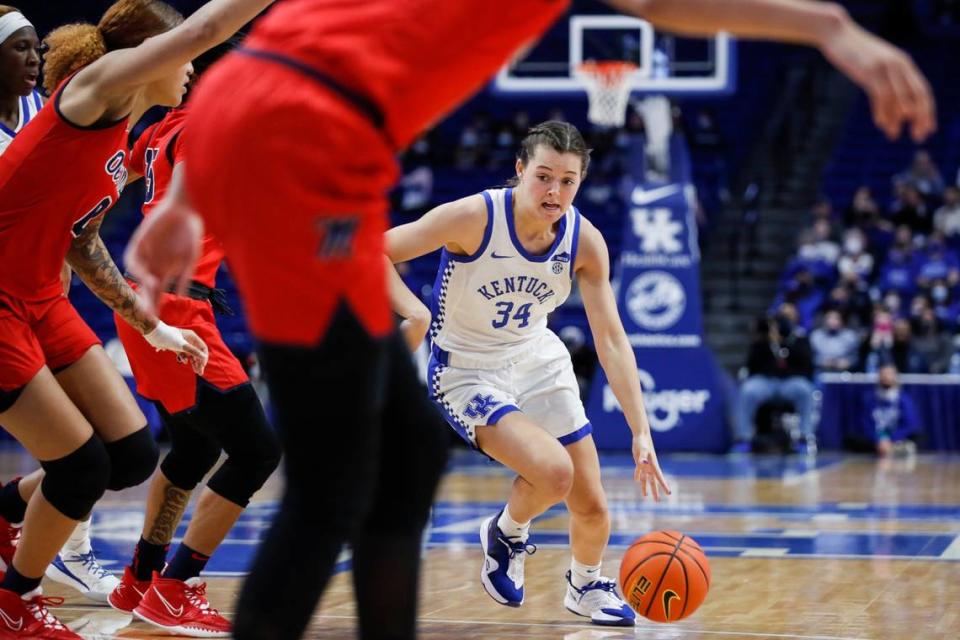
<point x="204" y="414"/>
<point x="60" y="396"/>
<point x="333" y="92"/>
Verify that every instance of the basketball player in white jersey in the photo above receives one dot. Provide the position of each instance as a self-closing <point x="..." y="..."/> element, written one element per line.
<point x="19" y="69"/>
<point x="20" y="101"/>
<point x="505" y="382"/>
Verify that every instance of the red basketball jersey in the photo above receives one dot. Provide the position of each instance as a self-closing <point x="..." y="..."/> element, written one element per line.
<point x="55" y="178"/>
<point x="416" y="59"/>
<point x="154" y="155"/>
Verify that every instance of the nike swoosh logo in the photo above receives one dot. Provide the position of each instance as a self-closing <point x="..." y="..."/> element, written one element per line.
<point x="176" y="613"/>
<point x="641" y="197"/>
<point x="494" y="255"/>
<point x="13" y="626"/>
<point x="668" y="597"/>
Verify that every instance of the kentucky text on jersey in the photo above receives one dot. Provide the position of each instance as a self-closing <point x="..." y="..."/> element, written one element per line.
<point x="517" y="284"/>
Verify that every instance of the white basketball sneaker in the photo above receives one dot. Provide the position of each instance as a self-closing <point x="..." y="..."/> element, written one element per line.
<point x="77" y="567"/>
<point x="599" y="601"/>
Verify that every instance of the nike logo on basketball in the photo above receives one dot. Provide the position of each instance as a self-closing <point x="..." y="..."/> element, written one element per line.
<point x="13" y="626"/>
<point x="494" y="255"/>
<point x="641" y="197"/>
<point x="176" y="613"/>
<point x="668" y="597"/>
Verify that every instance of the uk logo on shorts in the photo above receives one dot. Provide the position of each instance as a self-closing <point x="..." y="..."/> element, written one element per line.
<point x="480" y="406"/>
<point x="656" y="300"/>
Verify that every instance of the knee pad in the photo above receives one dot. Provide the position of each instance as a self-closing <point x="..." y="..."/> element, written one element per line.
<point x="74" y="483"/>
<point x="253" y="453"/>
<point x="191" y="457"/>
<point x="132" y="459"/>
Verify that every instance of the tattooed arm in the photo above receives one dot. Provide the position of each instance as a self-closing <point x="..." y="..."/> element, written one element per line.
<point x="92" y="262"/>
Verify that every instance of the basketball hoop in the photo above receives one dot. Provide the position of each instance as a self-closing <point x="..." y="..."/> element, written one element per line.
<point x="608" y="90"/>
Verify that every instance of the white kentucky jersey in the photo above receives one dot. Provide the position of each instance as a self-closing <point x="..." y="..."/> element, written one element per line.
<point x="29" y="106"/>
<point x="489" y="307"/>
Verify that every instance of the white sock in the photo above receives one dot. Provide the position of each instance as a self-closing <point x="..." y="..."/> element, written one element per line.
<point x="583" y="574"/>
<point x="511" y="528"/>
<point x="79" y="540"/>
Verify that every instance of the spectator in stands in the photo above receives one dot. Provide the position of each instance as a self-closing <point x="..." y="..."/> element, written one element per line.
<point x="946" y="306"/>
<point x="891" y="341"/>
<point x="803" y="294"/>
<point x="822" y="209"/>
<point x="834" y="345"/>
<point x="937" y="264"/>
<point x="898" y="272"/>
<point x="946" y="220"/>
<point x="863" y="211"/>
<point x="893" y="303"/>
<point x="890" y="417"/>
<point x="903" y="352"/>
<point x="780" y="367"/>
<point x="923" y="175"/>
<point x="827" y="249"/>
<point x="910" y="209"/>
<point x="931" y="343"/>
<point x="855" y="265"/>
<point x="854" y="305"/>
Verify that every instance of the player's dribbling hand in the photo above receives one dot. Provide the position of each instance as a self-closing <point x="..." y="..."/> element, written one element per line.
<point x="163" y="251"/>
<point x="899" y="94"/>
<point x="648" y="472"/>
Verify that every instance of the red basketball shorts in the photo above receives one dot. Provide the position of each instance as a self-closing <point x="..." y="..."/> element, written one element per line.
<point x="34" y="334"/>
<point x="160" y="377"/>
<point x="293" y="180"/>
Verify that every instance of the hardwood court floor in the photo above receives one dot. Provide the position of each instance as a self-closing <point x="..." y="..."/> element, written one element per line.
<point x="832" y="548"/>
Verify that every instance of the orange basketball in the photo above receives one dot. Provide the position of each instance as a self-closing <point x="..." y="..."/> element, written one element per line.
<point x="664" y="576"/>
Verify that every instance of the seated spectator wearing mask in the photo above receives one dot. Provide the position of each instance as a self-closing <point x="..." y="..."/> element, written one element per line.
<point x="780" y="367"/>
<point x="834" y="345"/>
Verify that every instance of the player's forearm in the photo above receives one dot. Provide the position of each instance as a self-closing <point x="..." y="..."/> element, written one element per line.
<point x="92" y="263"/>
<point x="416" y="316"/>
<point x="796" y="21"/>
<point x="618" y="362"/>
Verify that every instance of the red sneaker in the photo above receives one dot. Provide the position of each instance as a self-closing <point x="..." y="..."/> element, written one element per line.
<point x="9" y="537"/>
<point x="128" y="594"/>
<point x="28" y="617"/>
<point x="182" y="607"/>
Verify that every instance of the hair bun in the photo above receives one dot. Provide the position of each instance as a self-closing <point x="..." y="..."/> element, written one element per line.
<point x="70" y="47"/>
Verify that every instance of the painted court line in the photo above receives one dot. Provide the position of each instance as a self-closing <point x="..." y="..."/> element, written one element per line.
<point x="674" y="631"/>
<point x="952" y="552"/>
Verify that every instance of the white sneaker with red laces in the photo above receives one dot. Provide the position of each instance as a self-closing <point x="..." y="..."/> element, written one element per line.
<point x="27" y="616"/>
<point x="181" y="607"/>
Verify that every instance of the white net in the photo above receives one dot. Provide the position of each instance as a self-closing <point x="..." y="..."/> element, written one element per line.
<point x="608" y="90"/>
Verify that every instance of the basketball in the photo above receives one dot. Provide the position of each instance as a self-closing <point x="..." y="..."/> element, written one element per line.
<point x="665" y="576"/>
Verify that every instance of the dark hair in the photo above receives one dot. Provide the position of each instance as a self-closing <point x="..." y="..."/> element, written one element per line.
<point x="560" y="136"/>
<point x="127" y="23"/>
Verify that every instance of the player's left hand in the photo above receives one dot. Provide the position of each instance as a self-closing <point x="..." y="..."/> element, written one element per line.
<point x="648" y="472"/>
<point x="163" y="251"/>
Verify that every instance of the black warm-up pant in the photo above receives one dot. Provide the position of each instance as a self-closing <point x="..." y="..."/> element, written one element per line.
<point x="363" y="452"/>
